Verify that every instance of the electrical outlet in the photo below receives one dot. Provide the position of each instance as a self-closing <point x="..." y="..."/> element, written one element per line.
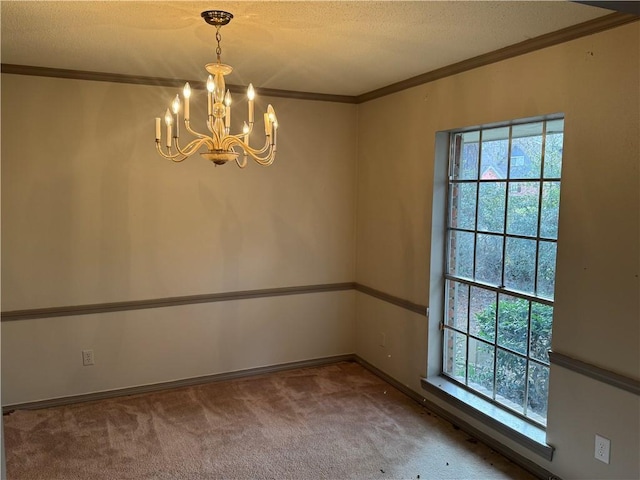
<point x="87" y="357"/>
<point x="603" y="449"/>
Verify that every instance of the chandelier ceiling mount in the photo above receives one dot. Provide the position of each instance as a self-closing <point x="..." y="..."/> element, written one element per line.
<point x="217" y="18"/>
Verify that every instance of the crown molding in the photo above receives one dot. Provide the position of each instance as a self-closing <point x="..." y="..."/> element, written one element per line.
<point x="550" y="39"/>
<point x="543" y="41"/>
<point x="163" y="82"/>
<point x="624" y="6"/>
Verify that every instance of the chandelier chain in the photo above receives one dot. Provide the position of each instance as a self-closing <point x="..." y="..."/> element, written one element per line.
<point x="218" y="38"/>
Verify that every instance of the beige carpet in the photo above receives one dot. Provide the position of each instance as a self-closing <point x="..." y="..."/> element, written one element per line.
<point x="332" y="422"/>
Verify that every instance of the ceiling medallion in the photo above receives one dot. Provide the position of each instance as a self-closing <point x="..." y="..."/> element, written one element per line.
<point x="221" y="145"/>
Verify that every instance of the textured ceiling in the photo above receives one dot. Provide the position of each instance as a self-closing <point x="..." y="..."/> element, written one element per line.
<point x="344" y="48"/>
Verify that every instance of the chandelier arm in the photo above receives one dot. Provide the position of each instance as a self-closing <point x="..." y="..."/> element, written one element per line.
<point x="210" y="124"/>
<point x="187" y="125"/>
<point x="230" y="140"/>
<point x="243" y="163"/>
<point x="267" y="146"/>
<point x="255" y="153"/>
<point x="265" y="160"/>
<point x="192" y="146"/>
<point x="239" y="136"/>
<point x="216" y="140"/>
<point x="169" y="156"/>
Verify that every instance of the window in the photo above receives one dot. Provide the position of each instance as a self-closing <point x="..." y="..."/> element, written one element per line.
<point x="501" y="238"/>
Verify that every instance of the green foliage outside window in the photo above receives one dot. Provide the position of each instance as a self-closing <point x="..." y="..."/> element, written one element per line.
<point x="512" y="318"/>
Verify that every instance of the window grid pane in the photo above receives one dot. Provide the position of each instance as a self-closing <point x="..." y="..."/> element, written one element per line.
<point x="500" y="272"/>
<point x="463" y="206"/>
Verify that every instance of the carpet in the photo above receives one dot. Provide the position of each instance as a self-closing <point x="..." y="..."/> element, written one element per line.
<point x="332" y="422"/>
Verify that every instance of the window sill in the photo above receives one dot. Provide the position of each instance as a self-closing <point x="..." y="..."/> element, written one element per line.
<point x="509" y="425"/>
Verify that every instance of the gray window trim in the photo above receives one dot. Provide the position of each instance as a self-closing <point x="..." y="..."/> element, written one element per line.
<point x="511" y="426"/>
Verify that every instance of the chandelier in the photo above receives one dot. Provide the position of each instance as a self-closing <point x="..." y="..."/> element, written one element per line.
<point x="221" y="145"/>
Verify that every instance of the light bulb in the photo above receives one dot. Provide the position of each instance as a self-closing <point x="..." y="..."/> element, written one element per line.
<point x="175" y="105"/>
<point x="167" y="118"/>
<point x="272" y="114"/>
<point x="187" y="93"/>
<point x="210" y="84"/>
<point x="245" y="139"/>
<point x="251" y="94"/>
<point x="227" y="99"/>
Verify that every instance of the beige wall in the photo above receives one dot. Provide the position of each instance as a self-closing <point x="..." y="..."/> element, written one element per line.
<point x="41" y="358"/>
<point x="595" y="82"/>
<point x="91" y="214"/>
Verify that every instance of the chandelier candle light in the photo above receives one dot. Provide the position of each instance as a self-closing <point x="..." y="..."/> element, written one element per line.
<point x="221" y="145"/>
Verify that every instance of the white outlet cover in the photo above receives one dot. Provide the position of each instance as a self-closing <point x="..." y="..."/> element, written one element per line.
<point x="87" y="357"/>
<point x="603" y="449"/>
